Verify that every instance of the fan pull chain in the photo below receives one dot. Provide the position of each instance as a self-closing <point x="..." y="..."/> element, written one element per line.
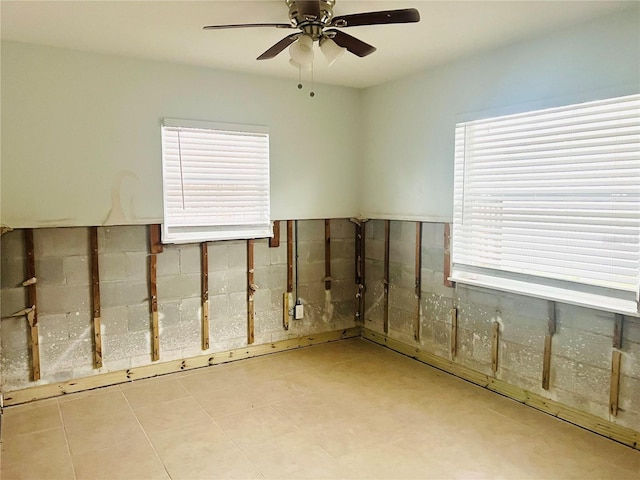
<point x="299" y="77"/>
<point x="312" y="93"/>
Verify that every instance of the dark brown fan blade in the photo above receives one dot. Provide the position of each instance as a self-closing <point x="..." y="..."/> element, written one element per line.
<point x="406" y="15"/>
<point x="355" y="46"/>
<point x="278" y="47"/>
<point x="248" y="25"/>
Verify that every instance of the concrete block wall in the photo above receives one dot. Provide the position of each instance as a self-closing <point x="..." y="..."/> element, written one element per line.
<point x="581" y="347"/>
<point x="65" y="310"/>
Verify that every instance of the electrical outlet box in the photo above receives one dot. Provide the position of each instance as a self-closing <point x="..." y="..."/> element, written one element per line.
<point x="298" y="311"/>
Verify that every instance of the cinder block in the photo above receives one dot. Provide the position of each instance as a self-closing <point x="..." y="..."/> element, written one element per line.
<point x="168" y="262"/>
<point x="433" y="259"/>
<point x="374" y="249"/>
<point x="630" y="364"/>
<point x="523" y="331"/>
<point x="55" y="357"/>
<point x="232" y="327"/>
<point x="261" y="253"/>
<point x="15" y="334"/>
<point x="311" y="272"/>
<point x="278" y="255"/>
<point x="580" y="379"/>
<point x="218" y="306"/>
<point x="343" y="269"/>
<point x="169" y="312"/>
<point x="53" y="328"/>
<point x="238" y="304"/>
<point x="630" y="395"/>
<point x="15" y="369"/>
<point x="137" y="266"/>
<point x="631" y="330"/>
<point x="49" y="271"/>
<point x="178" y="337"/>
<point x="583" y="347"/>
<point x="114" y="320"/>
<point x="311" y="252"/>
<point x="127" y="346"/>
<point x="436" y="308"/>
<point x="112" y="267"/>
<point x="237" y="255"/>
<point x="64" y="299"/>
<point x="342" y="228"/>
<point x="402" y="298"/>
<point x="128" y="238"/>
<point x="77" y="270"/>
<point x="138" y="317"/>
<point x="512" y="304"/>
<point x="190" y="258"/>
<point x="12" y="272"/>
<point x="227" y="281"/>
<point x="262" y="300"/>
<point x="133" y="293"/>
<point x="179" y="286"/>
<point x="273" y="277"/>
<point x="191" y="310"/>
<point x="217" y="255"/>
<point x="522" y="360"/>
<point x="60" y="242"/>
<point x="309" y="230"/>
<point x="343" y="290"/>
<point x="267" y="322"/>
<point x="587" y="319"/>
<point x="400" y="321"/>
<point x="12" y="245"/>
<point x="402" y="252"/>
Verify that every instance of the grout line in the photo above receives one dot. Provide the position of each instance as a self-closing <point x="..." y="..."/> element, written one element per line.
<point x="66" y="440"/>
<point x="164" y="467"/>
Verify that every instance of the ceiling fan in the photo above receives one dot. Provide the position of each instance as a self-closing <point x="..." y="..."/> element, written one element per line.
<point x="316" y="22"/>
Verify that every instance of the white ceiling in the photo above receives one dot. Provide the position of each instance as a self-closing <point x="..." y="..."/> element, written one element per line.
<point x="172" y="31"/>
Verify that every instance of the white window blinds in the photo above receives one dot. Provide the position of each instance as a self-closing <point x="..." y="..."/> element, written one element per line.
<point x="216" y="181"/>
<point x="547" y="203"/>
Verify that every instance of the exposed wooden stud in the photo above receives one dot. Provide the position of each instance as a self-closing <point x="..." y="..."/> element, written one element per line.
<point x="551" y="330"/>
<point x="327" y="254"/>
<point x="362" y="288"/>
<point x="617" y="330"/>
<point x="95" y="298"/>
<point x="155" y="242"/>
<point x="285" y="311"/>
<point x="387" y="228"/>
<point x="153" y="288"/>
<point x="546" y="362"/>
<point x="418" y="281"/>
<point x="495" y="347"/>
<point x="447" y="255"/>
<point x="204" y="275"/>
<point x="32" y="316"/>
<point x="615" y="382"/>
<point x="454" y="332"/>
<point x="251" y="288"/>
<point x="289" y="256"/>
<point x="275" y="240"/>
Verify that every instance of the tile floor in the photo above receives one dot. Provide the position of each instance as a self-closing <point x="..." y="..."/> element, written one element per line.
<point x="348" y="410"/>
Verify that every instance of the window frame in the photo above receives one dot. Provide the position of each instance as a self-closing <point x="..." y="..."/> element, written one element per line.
<point x="172" y="233"/>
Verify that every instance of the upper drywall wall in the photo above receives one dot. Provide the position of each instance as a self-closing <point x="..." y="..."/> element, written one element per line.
<point x="409" y="124"/>
<point x="81" y="136"/>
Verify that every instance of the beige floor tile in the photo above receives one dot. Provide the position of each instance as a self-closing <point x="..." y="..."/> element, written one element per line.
<point x="260" y="425"/>
<point x="201" y="451"/>
<point x="208" y="379"/>
<point x="153" y="390"/>
<point x="228" y="401"/>
<point x="36" y="456"/>
<point x="101" y="431"/>
<point x="20" y="420"/>
<point x="123" y="460"/>
<point x="96" y="392"/>
<point x="170" y="415"/>
<point x="79" y="409"/>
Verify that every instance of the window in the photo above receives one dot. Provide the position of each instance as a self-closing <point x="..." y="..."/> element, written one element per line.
<point x="215" y="180"/>
<point x="547" y="203"/>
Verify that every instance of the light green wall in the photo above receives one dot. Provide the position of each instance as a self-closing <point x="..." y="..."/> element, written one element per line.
<point x="409" y="124"/>
<point x="81" y="136"/>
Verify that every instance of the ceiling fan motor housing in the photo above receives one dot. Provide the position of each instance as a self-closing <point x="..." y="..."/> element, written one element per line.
<point x="311" y="16"/>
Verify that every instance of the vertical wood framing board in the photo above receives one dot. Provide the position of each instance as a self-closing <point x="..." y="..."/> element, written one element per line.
<point x="95" y="298"/>
<point x="387" y="228"/>
<point x="32" y="316"/>
<point x="546" y="362"/>
<point x="615" y="382"/>
<point x="617" y="330"/>
<point x="418" y="282"/>
<point x="155" y="242"/>
<point x="551" y="330"/>
<point x="447" y="255"/>
<point x="153" y="288"/>
<point x="204" y="274"/>
<point x="275" y="240"/>
<point x="362" y="288"/>
<point x="285" y="311"/>
<point x="359" y="259"/>
<point x="289" y="256"/>
<point x="327" y="254"/>
<point x="454" y="332"/>
<point x="250" y="291"/>
<point x="495" y="347"/>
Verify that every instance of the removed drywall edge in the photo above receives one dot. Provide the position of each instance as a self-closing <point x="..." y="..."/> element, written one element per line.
<point x="122" y="376"/>
<point x="582" y="419"/>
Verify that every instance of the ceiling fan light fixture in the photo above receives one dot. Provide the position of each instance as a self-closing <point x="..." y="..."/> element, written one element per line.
<point x="301" y="51"/>
<point x="331" y="50"/>
<point x="296" y="65"/>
